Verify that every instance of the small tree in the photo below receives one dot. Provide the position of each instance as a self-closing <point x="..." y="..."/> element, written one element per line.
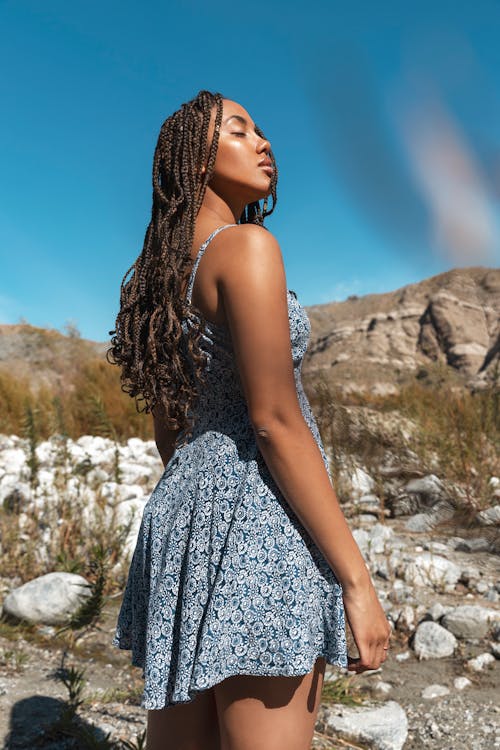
<point x="71" y="329"/>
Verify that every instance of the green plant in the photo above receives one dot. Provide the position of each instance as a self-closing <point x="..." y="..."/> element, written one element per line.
<point x="13" y="659"/>
<point x="105" y="427"/>
<point x="69" y="725"/>
<point x="341" y="690"/>
<point x="91" y="608"/>
<point x="32" y="435"/>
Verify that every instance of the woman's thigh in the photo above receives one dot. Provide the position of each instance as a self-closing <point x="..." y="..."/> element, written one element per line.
<point x="269" y="713"/>
<point x="185" y="726"/>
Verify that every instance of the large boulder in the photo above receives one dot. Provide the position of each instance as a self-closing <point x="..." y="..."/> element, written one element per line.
<point x="382" y="727"/>
<point x="432" y="570"/>
<point x="432" y="641"/>
<point x="50" y="599"/>
<point x="470" y="621"/>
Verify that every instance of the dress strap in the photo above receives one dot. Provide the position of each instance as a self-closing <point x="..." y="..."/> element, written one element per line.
<point x="198" y="258"/>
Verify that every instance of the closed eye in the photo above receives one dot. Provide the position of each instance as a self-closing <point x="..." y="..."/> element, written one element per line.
<point x="238" y="133"/>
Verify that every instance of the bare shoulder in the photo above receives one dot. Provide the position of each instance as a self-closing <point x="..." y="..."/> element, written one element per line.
<point x="250" y="251"/>
<point x="253" y="236"/>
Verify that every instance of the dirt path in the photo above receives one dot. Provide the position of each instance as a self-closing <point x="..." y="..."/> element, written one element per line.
<point x="31" y="696"/>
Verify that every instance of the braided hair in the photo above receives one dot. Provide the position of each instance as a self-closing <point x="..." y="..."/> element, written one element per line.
<point x="147" y="340"/>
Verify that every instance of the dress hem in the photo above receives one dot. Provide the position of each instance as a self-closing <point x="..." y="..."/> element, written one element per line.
<point x="194" y="691"/>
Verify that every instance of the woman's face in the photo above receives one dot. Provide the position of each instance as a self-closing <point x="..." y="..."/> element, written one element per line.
<point x="238" y="165"/>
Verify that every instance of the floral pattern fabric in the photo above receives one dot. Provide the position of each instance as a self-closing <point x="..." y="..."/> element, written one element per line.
<point x="224" y="579"/>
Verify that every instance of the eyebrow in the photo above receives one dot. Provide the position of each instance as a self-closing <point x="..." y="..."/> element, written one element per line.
<point x="238" y="117"/>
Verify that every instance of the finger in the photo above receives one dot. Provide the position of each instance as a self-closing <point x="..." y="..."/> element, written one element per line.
<point x="365" y="661"/>
<point x="370" y="657"/>
<point x="381" y="654"/>
<point x="355" y="665"/>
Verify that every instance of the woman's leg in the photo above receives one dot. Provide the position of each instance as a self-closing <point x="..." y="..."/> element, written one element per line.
<point x="185" y="726"/>
<point x="269" y="713"/>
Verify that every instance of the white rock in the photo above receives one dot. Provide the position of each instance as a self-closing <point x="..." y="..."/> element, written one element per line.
<point x="135" y="509"/>
<point x="460" y="683"/>
<point x="481" y="662"/>
<point x="8" y="441"/>
<point x="383" y="727"/>
<point x="495" y="649"/>
<point x="110" y="490"/>
<point x="362" y="538"/>
<point x="133" y="473"/>
<point x="369" y="499"/>
<point x="380" y="537"/>
<point x="13" y="460"/>
<point x="94" y="443"/>
<point x="22" y="491"/>
<point x="45" y="478"/>
<point x="490" y="516"/>
<point x="432" y="570"/>
<point x="420" y="522"/>
<point x="428" y="485"/>
<point x="470" y="576"/>
<point x="470" y="621"/>
<point x="432" y="641"/>
<point x="481" y="587"/>
<point x="98" y="475"/>
<point x="492" y="595"/>
<point x="383" y="688"/>
<point x="137" y="447"/>
<point x="406" y="618"/>
<point x="436" y="611"/>
<point x="361" y="483"/>
<point x="478" y="544"/>
<point x="438" y="547"/>
<point x="403" y="656"/>
<point x="434" y="691"/>
<point x="454" y="541"/>
<point x="120" y="493"/>
<point x="50" y="599"/>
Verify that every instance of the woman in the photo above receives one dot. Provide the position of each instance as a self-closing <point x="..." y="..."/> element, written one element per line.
<point x="244" y="567"/>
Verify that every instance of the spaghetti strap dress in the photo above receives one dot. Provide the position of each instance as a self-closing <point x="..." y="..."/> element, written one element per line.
<point x="224" y="578"/>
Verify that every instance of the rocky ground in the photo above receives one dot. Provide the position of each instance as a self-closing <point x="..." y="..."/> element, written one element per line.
<point x="438" y="580"/>
<point x="438" y="708"/>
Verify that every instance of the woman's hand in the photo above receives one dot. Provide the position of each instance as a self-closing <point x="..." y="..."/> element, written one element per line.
<point x="369" y="625"/>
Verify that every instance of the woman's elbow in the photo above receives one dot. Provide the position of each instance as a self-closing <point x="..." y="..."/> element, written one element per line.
<point x="268" y="423"/>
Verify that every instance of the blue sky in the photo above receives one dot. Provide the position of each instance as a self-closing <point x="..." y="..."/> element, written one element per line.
<point x="383" y="117"/>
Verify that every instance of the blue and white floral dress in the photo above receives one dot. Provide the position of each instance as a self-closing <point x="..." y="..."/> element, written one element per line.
<point x="224" y="579"/>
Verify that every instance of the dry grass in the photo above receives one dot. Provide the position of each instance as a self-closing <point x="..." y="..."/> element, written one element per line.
<point x="58" y="532"/>
<point x="457" y="432"/>
<point x="69" y="409"/>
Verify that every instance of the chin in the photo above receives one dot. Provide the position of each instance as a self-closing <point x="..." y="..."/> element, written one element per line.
<point x="264" y="193"/>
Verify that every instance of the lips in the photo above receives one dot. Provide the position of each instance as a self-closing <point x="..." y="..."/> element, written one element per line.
<point x="266" y="164"/>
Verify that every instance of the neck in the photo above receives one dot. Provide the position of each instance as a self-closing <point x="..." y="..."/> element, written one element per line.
<point x="227" y="211"/>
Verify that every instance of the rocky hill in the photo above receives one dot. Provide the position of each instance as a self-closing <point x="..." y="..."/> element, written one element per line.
<point x="44" y="356"/>
<point x="372" y="343"/>
<point x="378" y="341"/>
<point x="417" y="475"/>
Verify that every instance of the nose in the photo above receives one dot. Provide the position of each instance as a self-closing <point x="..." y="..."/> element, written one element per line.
<point x="264" y="145"/>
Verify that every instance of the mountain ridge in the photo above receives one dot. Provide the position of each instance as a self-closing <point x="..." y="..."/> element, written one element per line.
<point x="374" y="342"/>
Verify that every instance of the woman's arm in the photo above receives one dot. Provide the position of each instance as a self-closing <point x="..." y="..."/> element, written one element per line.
<point x="254" y="292"/>
<point x="164" y="437"/>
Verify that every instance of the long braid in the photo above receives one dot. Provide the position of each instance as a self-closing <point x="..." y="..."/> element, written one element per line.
<point x="146" y="341"/>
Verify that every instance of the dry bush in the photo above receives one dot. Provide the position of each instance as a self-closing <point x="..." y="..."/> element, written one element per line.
<point x="457" y="431"/>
